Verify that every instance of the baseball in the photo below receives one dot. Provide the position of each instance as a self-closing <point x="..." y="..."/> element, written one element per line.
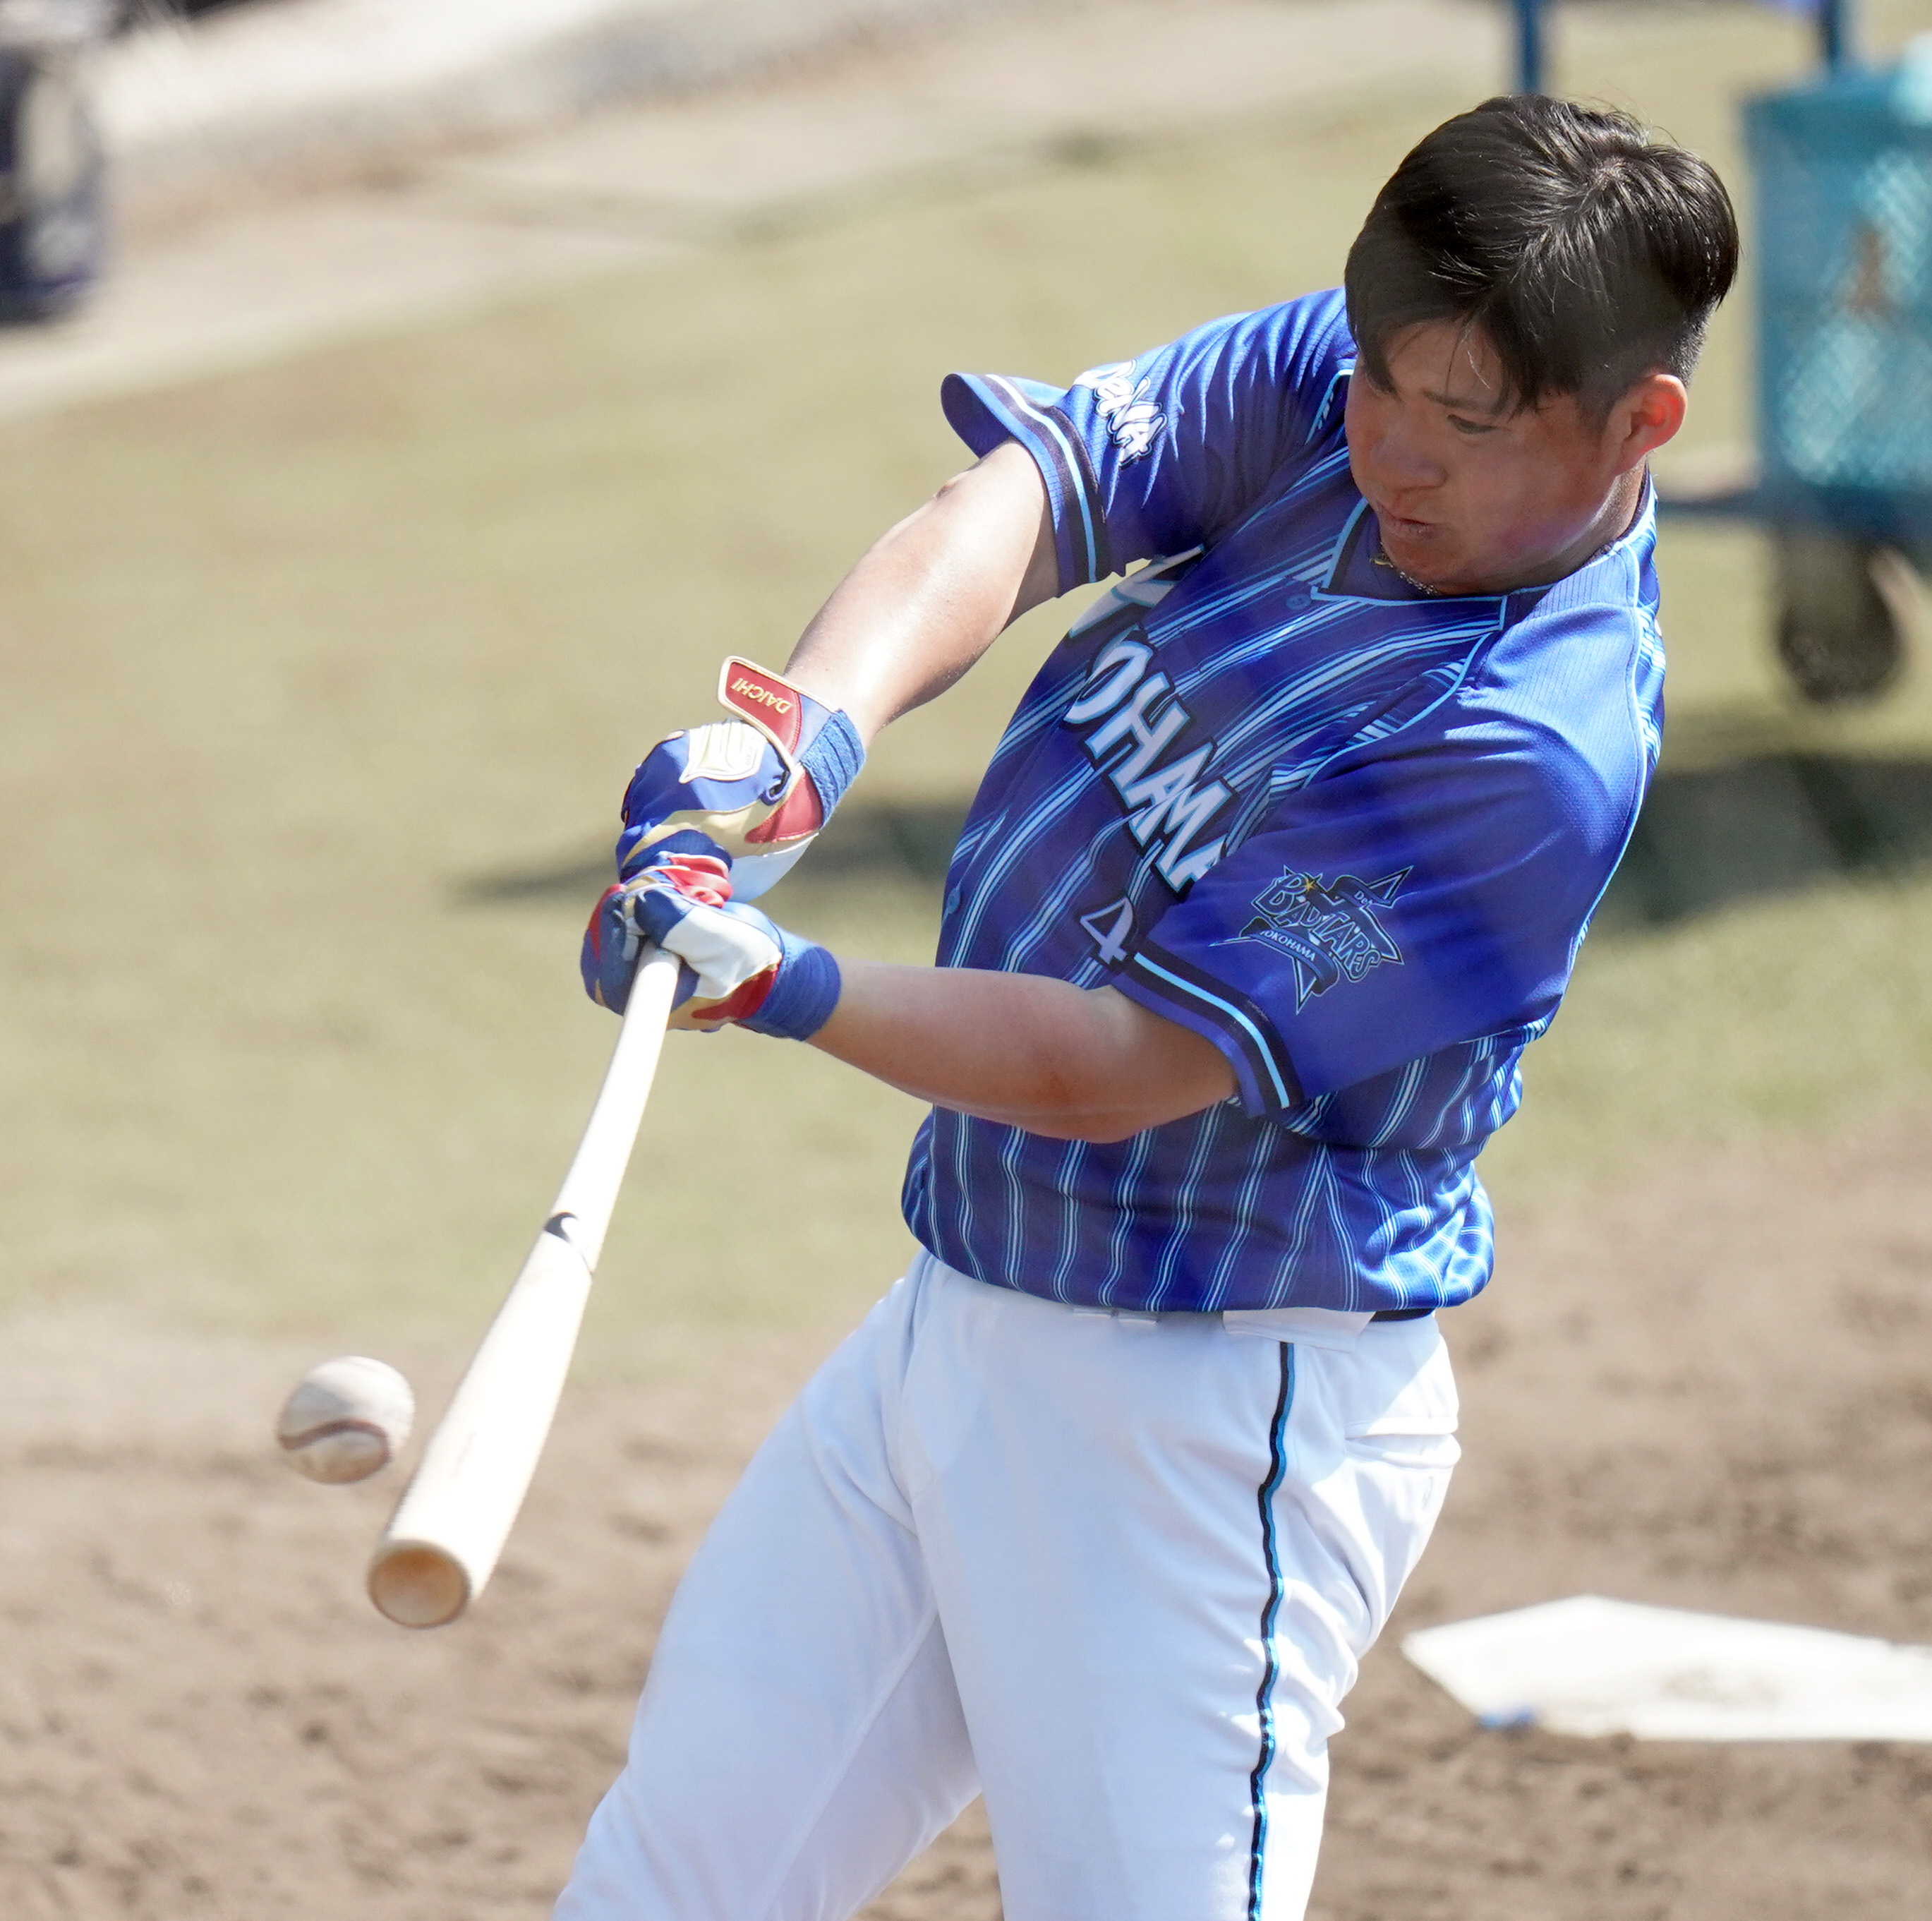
<point x="346" y="1419"/>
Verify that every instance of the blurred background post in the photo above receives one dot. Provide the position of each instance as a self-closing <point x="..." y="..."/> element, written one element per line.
<point x="53" y="221"/>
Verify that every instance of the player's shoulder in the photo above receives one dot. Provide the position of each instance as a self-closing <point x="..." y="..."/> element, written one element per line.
<point x="1575" y="685"/>
<point x="1250" y="378"/>
<point x="1256" y="387"/>
<point x="1589" y="642"/>
<point x="1299" y="342"/>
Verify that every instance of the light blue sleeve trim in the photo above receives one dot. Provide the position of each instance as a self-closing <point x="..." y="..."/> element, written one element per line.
<point x="1253" y="1096"/>
<point x="986" y="409"/>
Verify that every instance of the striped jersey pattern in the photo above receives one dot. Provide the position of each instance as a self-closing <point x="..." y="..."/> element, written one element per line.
<point x="1351" y="832"/>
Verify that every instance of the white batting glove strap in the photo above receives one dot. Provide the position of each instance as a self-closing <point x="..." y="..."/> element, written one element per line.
<point x="722" y="950"/>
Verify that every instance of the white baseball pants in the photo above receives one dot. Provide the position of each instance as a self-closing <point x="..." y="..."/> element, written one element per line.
<point x="1116" y="1572"/>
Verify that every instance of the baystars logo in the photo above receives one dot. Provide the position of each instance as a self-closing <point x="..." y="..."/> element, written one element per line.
<point x="1127" y="707"/>
<point x="1328" y="929"/>
<point x="1131" y="418"/>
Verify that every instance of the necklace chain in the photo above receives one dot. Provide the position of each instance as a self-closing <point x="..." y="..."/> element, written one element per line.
<point x="1436" y="593"/>
<point x="1421" y="586"/>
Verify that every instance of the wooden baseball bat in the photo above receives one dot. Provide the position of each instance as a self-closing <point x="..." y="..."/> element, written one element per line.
<point x="442" y="1541"/>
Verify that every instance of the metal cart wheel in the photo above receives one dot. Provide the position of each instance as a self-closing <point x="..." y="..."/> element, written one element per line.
<point x="1836" y="636"/>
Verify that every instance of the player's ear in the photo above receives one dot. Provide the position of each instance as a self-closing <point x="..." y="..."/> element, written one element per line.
<point x="1648" y="414"/>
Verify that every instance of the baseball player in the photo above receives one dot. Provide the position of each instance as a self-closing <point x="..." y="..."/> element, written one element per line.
<point x="1282" y="862"/>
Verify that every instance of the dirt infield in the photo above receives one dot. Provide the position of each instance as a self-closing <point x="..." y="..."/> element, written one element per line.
<point x="1712" y="1390"/>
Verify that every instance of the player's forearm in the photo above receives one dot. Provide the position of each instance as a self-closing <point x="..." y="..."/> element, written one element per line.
<point x="929" y="597"/>
<point x="1071" y="1063"/>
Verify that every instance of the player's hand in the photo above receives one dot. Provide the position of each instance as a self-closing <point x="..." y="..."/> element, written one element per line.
<point x="760" y="786"/>
<point x="695" y="866"/>
<point x="738" y="966"/>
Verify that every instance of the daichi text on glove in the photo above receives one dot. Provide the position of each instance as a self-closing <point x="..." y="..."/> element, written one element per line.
<point x="759" y="786"/>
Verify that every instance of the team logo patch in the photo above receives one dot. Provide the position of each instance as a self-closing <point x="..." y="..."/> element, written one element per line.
<point x="1328" y="928"/>
<point x="1132" y="419"/>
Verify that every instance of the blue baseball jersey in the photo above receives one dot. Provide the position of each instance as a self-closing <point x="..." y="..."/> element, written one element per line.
<point x="1351" y="832"/>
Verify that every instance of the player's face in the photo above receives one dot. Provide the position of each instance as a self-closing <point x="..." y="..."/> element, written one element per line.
<point x="1475" y="494"/>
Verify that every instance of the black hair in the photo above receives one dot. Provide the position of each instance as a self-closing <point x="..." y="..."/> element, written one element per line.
<point x="1587" y="254"/>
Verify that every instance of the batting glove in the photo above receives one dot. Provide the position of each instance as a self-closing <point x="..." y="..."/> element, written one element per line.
<point x="759" y="785"/>
<point x="738" y="966"/>
<point x="614" y="937"/>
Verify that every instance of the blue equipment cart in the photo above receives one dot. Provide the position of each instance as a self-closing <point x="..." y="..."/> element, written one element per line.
<point x="1844" y="270"/>
<point x="1843" y="255"/>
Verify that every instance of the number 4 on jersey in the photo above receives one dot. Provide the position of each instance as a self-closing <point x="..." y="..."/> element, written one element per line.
<point x="1111" y="926"/>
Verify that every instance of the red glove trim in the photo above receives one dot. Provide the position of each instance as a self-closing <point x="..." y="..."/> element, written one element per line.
<point x="701" y="878"/>
<point x="800" y="813"/>
<point x="772" y="705"/>
<point x="744" y="1000"/>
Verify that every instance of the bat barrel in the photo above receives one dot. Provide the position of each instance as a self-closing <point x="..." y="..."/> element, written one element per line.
<point x="442" y="1543"/>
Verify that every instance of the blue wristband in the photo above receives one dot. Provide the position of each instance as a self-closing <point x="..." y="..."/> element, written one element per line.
<point x="804" y="994"/>
<point x="834" y="758"/>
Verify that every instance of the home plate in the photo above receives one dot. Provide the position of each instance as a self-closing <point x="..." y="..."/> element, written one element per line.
<point x="1590" y="1666"/>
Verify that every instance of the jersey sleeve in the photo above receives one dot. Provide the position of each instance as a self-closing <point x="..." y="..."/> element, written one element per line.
<point x="1159" y="454"/>
<point x="1407" y="903"/>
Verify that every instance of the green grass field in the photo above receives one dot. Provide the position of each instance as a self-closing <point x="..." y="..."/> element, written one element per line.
<point x="302" y="661"/>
